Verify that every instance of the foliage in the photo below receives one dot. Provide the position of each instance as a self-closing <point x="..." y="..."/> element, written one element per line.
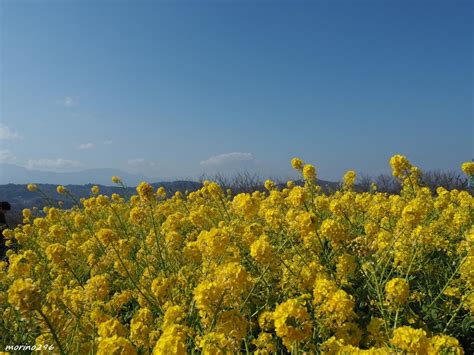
<point x="281" y="270"/>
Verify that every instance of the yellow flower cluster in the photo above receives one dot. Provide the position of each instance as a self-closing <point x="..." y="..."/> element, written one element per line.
<point x="288" y="269"/>
<point x="349" y="179"/>
<point x="468" y="168"/>
<point x="396" y="291"/>
<point x="23" y="295"/>
<point x="292" y="323"/>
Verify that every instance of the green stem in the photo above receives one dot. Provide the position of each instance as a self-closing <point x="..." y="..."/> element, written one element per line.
<point x="452" y="317"/>
<point x="163" y="264"/>
<point x="53" y="332"/>
<point x="73" y="273"/>
<point x="134" y="283"/>
<point x="447" y="284"/>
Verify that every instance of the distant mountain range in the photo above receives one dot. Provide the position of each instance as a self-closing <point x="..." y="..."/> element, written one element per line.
<point x="14" y="174"/>
<point x="14" y="180"/>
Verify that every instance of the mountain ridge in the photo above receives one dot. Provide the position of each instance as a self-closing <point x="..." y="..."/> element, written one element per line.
<point x="15" y="174"/>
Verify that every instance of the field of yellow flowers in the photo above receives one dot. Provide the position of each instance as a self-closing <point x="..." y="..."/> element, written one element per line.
<point x="289" y="270"/>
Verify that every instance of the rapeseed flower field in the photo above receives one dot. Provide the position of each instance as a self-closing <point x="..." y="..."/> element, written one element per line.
<point x="288" y="270"/>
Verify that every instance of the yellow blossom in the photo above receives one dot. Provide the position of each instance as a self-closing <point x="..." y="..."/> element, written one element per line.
<point x="468" y="168"/>
<point x="32" y="187"/>
<point x="349" y="179"/>
<point x="145" y="191"/>
<point x="309" y="172"/>
<point x="262" y="250"/>
<point x="107" y="235"/>
<point x="410" y="340"/>
<point x="115" y="345"/>
<point x="24" y="295"/>
<point x="396" y="292"/>
<point x="444" y="344"/>
<point x="269" y="185"/>
<point x="297" y="163"/>
<point x="292" y="322"/>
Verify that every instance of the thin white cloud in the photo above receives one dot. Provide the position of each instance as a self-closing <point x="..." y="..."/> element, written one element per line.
<point x="86" y="146"/>
<point x="53" y="164"/>
<point x="108" y="142"/>
<point x="68" y="102"/>
<point x="7" y="134"/>
<point x="141" y="163"/>
<point x="6" y="156"/>
<point x="143" y="166"/>
<point x="227" y="159"/>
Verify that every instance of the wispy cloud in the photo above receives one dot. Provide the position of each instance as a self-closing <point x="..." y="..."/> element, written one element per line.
<point x="86" y="146"/>
<point x="6" y="156"/>
<point x="7" y="134"/>
<point x="68" y="102"/>
<point x="227" y="159"/>
<point x="54" y="164"/>
<point x="143" y="166"/>
<point x="108" y="142"/>
<point x="141" y="162"/>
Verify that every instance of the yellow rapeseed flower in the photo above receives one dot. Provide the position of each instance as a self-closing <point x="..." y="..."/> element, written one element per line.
<point x="292" y="323"/>
<point x="95" y="189"/>
<point x="112" y="327"/>
<point x="262" y="250"/>
<point x="24" y="295"/>
<point x="410" y="340"/>
<point x="468" y="168"/>
<point x="115" y="345"/>
<point x="400" y="165"/>
<point x="349" y="179"/>
<point x="145" y="191"/>
<point x="297" y="163"/>
<point x="396" y="292"/>
<point x="269" y="185"/>
<point x="309" y="172"/>
<point x="161" y="192"/>
<point x="107" y="235"/>
<point x="32" y="187"/>
<point x="444" y="344"/>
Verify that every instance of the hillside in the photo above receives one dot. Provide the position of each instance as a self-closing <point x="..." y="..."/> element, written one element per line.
<point x="11" y="173"/>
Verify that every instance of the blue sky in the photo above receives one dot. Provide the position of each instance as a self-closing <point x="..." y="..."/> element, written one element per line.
<point x="172" y="89"/>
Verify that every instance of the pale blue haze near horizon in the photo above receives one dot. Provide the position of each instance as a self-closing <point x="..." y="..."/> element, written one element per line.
<point x="174" y="89"/>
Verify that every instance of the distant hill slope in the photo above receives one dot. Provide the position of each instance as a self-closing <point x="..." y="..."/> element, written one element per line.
<point x="10" y="173"/>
